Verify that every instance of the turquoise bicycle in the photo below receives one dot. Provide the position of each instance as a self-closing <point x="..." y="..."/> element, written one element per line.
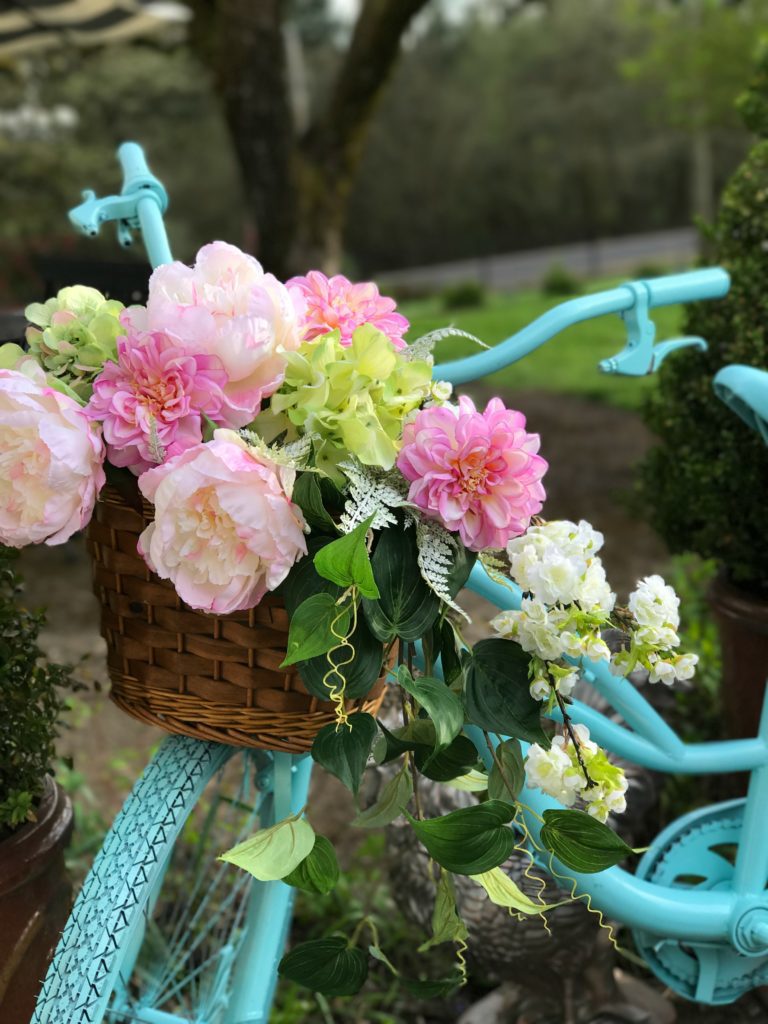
<point x="209" y="954"/>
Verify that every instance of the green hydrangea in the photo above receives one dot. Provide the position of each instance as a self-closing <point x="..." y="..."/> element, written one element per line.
<point x="354" y="399"/>
<point x="74" y="334"/>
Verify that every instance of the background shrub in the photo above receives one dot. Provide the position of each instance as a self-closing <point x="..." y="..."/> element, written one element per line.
<point x="704" y="486"/>
<point x="559" y="281"/>
<point x="463" y="295"/>
<point x="32" y="700"/>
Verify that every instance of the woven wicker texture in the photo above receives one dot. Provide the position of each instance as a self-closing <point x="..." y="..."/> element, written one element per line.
<point x="212" y="677"/>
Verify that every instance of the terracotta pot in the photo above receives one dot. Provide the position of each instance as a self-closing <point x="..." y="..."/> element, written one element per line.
<point x="35" y="900"/>
<point x="742" y="620"/>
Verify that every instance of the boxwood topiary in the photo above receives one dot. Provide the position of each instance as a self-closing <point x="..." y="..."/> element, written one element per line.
<point x="32" y="698"/>
<point x="705" y="485"/>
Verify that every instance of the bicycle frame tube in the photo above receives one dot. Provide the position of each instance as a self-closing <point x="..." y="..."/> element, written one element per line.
<point x="673" y="913"/>
<point x="269" y="911"/>
<point x="663" y="291"/>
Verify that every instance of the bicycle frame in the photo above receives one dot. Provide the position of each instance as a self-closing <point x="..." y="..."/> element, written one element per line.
<point x="738" y="915"/>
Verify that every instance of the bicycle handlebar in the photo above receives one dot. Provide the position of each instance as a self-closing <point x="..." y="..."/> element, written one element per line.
<point x="712" y="283"/>
<point x="136" y="173"/>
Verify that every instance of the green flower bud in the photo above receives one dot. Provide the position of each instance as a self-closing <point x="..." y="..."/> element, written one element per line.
<point x="74" y="334"/>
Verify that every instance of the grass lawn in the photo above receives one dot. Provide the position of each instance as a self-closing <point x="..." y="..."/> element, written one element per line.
<point x="566" y="364"/>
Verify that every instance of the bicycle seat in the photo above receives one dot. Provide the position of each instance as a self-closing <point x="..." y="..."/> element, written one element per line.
<point x="744" y="389"/>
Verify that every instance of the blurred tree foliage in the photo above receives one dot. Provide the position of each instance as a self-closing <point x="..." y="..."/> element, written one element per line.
<point x="519" y="126"/>
<point x="501" y="136"/>
<point x="695" y="61"/>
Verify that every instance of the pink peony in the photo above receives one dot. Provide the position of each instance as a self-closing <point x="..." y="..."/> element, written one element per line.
<point x="151" y="401"/>
<point x="50" y="463"/>
<point x="225" y="529"/>
<point x="228" y="307"/>
<point x="478" y="473"/>
<point x="337" y="304"/>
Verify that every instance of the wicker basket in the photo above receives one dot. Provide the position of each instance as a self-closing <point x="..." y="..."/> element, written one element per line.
<point x="214" y="677"/>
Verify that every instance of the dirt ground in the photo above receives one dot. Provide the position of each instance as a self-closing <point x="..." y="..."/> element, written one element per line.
<point x="591" y="449"/>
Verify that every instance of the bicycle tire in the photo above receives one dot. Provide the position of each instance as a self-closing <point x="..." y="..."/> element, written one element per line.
<point x="112" y="902"/>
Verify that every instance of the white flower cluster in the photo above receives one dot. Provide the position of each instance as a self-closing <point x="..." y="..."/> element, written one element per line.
<point x="558" y="773"/>
<point x="654" y="607"/>
<point x="568" y="602"/>
<point x="557" y="563"/>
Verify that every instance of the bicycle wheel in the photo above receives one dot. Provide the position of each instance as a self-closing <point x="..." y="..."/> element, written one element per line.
<point x="161" y="932"/>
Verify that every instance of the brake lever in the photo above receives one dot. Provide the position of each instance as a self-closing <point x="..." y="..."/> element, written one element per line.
<point x="640" y="356"/>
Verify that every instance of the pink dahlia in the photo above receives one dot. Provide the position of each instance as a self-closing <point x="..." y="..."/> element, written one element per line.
<point x="152" y="400"/>
<point x="336" y="304"/>
<point x="477" y="473"/>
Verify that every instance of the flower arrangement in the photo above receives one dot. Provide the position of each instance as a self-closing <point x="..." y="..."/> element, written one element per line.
<point x="291" y="442"/>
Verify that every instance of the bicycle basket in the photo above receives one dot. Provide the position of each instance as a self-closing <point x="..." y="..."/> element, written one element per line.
<point x="214" y="677"/>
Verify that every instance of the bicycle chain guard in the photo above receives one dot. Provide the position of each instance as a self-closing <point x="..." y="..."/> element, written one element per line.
<point x="698" y="852"/>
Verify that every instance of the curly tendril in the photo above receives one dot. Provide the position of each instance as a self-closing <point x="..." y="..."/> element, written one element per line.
<point x="334" y="679"/>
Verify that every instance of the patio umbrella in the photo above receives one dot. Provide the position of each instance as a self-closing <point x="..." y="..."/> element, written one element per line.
<point x="32" y="25"/>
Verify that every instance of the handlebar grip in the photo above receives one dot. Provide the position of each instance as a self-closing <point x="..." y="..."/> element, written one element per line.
<point x="712" y="283"/>
<point x="137" y="176"/>
<point x="134" y="164"/>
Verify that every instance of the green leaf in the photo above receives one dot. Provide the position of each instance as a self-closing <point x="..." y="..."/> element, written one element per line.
<point x="391" y="745"/>
<point x="381" y="956"/>
<point x="304" y="581"/>
<point x="496" y="694"/>
<point x="406" y="607"/>
<point x="310" y="631"/>
<point x="429" y="989"/>
<point x="504" y="893"/>
<point x="582" y="842"/>
<point x="328" y="966"/>
<point x="391" y="804"/>
<point x="462" y="567"/>
<point x="471" y="840"/>
<point x="442" y="705"/>
<point x="474" y="781"/>
<point x="344" y="751"/>
<point x="345" y="561"/>
<point x="510" y="756"/>
<point x="319" y="871"/>
<point x="456" y="759"/>
<point x="361" y="673"/>
<point x="308" y="495"/>
<point x="449" y="656"/>
<point x="447" y="926"/>
<point x="273" y="852"/>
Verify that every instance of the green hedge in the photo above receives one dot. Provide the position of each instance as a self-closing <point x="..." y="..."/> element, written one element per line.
<point x="31" y="702"/>
<point x="705" y="485"/>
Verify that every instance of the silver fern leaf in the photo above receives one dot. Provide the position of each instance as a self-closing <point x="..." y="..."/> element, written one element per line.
<point x="437" y="553"/>
<point x="372" y="492"/>
<point x="423" y="346"/>
<point x="294" y="454"/>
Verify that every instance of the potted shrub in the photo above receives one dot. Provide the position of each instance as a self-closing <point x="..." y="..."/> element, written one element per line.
<point x="704" y="485"/>
<point x="35" y="814"/>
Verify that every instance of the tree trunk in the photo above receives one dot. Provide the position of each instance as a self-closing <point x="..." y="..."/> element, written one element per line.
<point x="702" y="175"/>
<point x="242" y="41"/>
<point x="295" y="191"/>
<point x="329" y="152"/>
